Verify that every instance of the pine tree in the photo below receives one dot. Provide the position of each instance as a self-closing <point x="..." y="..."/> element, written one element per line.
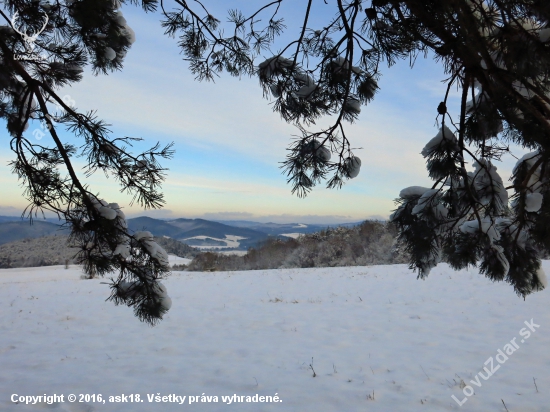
<point x="497" y="52"/>
<point x="67" y="36"/>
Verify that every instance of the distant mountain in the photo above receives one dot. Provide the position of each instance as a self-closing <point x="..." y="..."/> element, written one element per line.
<point x="254" y="233"/>
<point x="191" y="229"/>
<point x="37" y="219"/>
<point x="197" y="227"/>
<point x="9" y="219"/>
<point x="275" y="229"/>
<point x="155" y="226"/>
<point x="205" y="242"/>
<point x="11" y="231"/>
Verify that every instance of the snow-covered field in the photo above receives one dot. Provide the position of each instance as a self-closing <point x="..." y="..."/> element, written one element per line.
<point x="231" y="241"/>
<point x="176" y="260"/>
<point x="292" y="235"/>
<point x="335" y="339"/>
<point x="232" y="252"/>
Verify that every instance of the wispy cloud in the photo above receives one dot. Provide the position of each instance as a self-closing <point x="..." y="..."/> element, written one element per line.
<point x="229" y="142"/>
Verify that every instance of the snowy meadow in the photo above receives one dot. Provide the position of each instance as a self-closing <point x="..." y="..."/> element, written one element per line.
<point x="323" y="339"/>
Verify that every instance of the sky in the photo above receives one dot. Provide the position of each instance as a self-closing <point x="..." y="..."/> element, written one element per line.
<point x="229" y="143"/>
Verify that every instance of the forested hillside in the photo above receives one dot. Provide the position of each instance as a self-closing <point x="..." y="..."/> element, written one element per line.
<point x="370" y="243"/>
<point x="54" y="250"/>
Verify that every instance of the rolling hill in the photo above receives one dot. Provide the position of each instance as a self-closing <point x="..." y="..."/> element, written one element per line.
<point x="222" y="234"/>
<point x="275" y="229"/>
<point x="11" y="231"/>
<point x="155" y="226"/>
<point x="190" y="229"/>
<point x="54" y="250"/>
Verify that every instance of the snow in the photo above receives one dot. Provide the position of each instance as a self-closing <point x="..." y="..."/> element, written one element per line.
<point x="533" y="202"/>
<point x="530" y="159"/>
<point x="110" y="54"/>
<point x="143" y="235"/>
<point x="378" y="340"/>
<point x="166" y="302"/>
<point x="107" y="212"/>
<point x="234" y="238"/>
<point x="232" y="252"/>
<point x="430" y="198"/>
<point x="274" y="90"/>
<point x="342" y="62"/>
<point x="542" y="277"/>
<point x="444" y="134"/>
<point x="481" y="99"/>
<point x="308" y="87"/>
<point x="353" y="164"/>
<point x="156" y="251"/>
<point x="323" y="153"/>
<point x="129" y="34"/>
<point x="353" y="105"/>
<point x="487" y="226"/>
<point x="292" y="235"/>
<point x="120" y="18"/>
<point x="319" y="150"/>
<point x="487" y="179"/>
<point x="274" y="64"/>
<point x="231" y="241"/>
<point x="122" y="250"/>
<point x="412" y="191"/>
<point x="176" y="260"/>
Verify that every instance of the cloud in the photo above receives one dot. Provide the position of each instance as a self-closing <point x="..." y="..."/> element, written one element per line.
<point x="151" y="99"/>
<point x="229" y="141"/>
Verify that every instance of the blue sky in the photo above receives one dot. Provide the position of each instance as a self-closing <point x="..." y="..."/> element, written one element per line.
<point x="229" y="142"/>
